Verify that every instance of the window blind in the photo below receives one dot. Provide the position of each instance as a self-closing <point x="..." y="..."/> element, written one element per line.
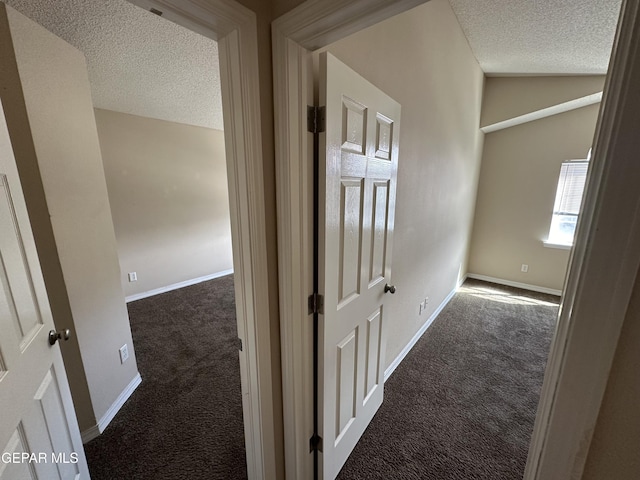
<point x="571" y="183"/>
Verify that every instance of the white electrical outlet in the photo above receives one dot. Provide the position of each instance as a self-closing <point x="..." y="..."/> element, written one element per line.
<point x="524" y="268"/>
<point x="124" y="353"/>
<point x="133" y="277"/>
<point x="423" y="305"/>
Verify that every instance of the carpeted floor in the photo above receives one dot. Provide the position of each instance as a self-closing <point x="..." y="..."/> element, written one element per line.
<point x="185" y="419"/>
<point x="461" y="406"/>
<point x="463" y="402"/>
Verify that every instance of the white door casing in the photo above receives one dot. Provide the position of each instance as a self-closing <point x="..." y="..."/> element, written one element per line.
<point x="37" y="418"/>
<point x="358" y="172"/>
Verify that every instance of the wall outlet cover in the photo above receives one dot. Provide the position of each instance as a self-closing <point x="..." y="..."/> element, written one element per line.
<point x="124" y="353"/>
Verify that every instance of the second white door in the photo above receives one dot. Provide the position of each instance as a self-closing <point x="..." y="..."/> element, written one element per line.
<point x="39" y="435"/>
<point x="358" y="172"/>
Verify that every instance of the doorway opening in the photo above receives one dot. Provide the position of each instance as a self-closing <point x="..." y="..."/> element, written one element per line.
<point x="160" y="129"/>
<point x="236" y="37"/>
<point x="295" y="44"/>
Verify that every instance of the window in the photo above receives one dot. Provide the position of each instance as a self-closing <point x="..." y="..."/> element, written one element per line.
<point x="573" y="175"/>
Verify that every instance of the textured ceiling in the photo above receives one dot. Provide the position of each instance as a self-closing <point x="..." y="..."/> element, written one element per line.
<point x="141" y="64"/>
<point x="539" y="36"/>
<point x="138" y="63"/>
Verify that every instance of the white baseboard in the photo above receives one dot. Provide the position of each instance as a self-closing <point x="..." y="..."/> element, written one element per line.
<point x="89" y="434"/>
<point x="96" y="430"/>
<point x="175" y="286"/>
<point x="509" y="283"/>
<point x="391" y="368"/>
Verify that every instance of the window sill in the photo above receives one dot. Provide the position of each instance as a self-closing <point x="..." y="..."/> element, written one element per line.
<point x="559" y="246"/>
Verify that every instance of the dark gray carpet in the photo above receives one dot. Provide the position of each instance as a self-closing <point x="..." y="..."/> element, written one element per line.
<point x="462" y="404"/>
<point x="185" y="420"/>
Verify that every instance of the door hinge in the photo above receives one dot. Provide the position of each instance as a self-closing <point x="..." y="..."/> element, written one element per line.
<point x="239" y="343"/>
<point x="316" y="303"/>
<point x="315" y="443"/>
<point x="315" y="119"/>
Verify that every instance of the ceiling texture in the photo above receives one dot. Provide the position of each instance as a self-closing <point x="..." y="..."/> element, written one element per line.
<point x="138" y="62"/>
<point x="539" y="37"/>
<point x="144" y="65"/>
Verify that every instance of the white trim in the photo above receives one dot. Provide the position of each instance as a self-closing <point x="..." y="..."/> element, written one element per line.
<point x="559" y="246"/>
<point x="89" y="434"/>
<point x="235" y="28"/>
<point x="393" y="365"/>
<point x="176" y="286"/>
<point x="295" y="244"/>
<point x="318" y="23"/>
<point x="96" y="430"/>
<point x="117" y="405"/>
<point x="510" y="283"/>
<point x="544" y="112"/>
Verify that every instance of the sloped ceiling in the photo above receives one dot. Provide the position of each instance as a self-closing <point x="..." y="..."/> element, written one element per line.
<point x="544" y="37"/>
<point x="138" y="63"/>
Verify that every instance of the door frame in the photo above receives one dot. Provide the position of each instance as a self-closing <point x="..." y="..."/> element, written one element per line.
<point x="601" y="271"/>
<point x="234" y="27"/>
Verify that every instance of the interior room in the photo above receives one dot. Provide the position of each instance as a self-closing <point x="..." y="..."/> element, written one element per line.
<point x="485" y="196"/>
<point x="488" y="121"/>
<point x="156" y="97"/>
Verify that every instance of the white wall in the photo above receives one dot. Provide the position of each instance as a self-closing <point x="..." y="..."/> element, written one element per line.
<point x="422" y="59"/>
<point x="53" y="133"/>
<point x="167" y="186"/>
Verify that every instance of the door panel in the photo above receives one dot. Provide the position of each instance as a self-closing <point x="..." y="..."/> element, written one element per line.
<point x="37" y="411"/>
<point x="347" y="352"/>
<point x="372" y="357"/>
<point x="17" y="445"/>
<point x="359" y="159"/>
<point x="19" y="305"/>
<point x="351" y="196"/>
<point x="379" y="234"/>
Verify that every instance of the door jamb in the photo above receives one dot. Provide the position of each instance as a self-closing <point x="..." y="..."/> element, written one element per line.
<point x="602" y="269"/>
<point x="235" y="29"/>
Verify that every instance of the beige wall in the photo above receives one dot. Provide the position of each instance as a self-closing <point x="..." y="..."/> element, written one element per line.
<point x="616" y="439"/>
<point x="439" y="158"/>
<point x="167" y="186"/>
<point x="53" y="132"/>
<point x="509" y="97"/>
<point x="518" y="180"/>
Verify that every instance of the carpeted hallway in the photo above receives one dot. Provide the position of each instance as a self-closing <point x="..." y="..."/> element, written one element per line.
<point x="462" y="403"/>
<point x="460" y="406"/>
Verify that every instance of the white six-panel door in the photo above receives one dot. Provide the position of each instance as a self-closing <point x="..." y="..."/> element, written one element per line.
<point x="39" y="435"/>
<point x="358" y="171"/>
